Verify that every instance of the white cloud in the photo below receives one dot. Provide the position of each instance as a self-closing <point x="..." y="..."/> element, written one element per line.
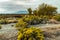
<point x="1" y="10"/>
<point x="4" y="0"/>
<point x="4" y="11"/>
<point x="10" y="6"/>
<point x="26" y="2"/>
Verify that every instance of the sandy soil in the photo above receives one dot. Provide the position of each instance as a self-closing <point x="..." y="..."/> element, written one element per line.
<point x="50" y="33"/>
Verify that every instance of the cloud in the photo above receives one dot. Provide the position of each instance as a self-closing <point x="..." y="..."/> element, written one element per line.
<point x="26" y="2"/>
<point x="1" y="10"/>
<point x="11" y="6"/>
<point x="4" y="0"/>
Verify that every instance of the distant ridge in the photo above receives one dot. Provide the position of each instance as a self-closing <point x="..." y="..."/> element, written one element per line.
<point x="22" y="12"/>
<point x="18" y="12"/>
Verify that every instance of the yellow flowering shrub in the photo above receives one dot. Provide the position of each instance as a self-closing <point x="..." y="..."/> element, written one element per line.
<point x="21" y="24"/>
<point x="30" y="34"/>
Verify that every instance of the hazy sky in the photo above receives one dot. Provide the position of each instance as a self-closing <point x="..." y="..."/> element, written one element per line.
<point x="12" y="6"/>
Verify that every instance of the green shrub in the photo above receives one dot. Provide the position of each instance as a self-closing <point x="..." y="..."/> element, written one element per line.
<point x="3" y="21"/>
<point x="0" y="26"/>
<point x="12" y="25"/>
<point x="21" y="24"/>
<point x="30" y="34"/>
<point x="32" y="19"/>
<point x="57" y="17"/>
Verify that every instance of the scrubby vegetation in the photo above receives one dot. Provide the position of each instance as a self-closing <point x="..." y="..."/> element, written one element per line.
<point x="40" y="15"/>
<point x="57" y="17"/>
<point x="21" y="24"/>
<point x="26" y="32"/>
<point x="0" y="26"/>
<point x="32" y="20"/>
<point x="44" y="9"/>
<point x="12" y="25"/>
<point x="30" y="11"/>
<point x="30" y="34"/>
<point x="3" y="21"/>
